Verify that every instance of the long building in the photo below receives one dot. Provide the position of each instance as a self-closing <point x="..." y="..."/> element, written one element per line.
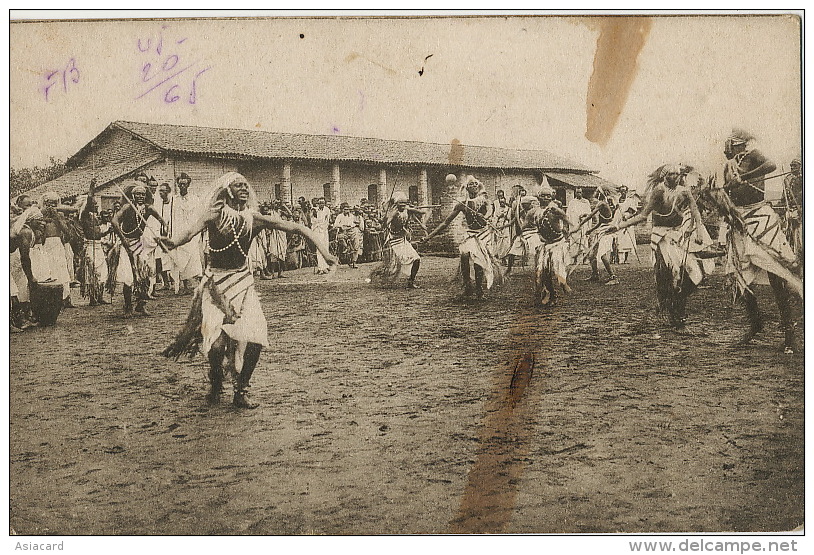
<point x="286" y="166"/>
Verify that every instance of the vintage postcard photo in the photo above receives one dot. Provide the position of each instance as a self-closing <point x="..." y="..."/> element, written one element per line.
<point x="368" y="274"/>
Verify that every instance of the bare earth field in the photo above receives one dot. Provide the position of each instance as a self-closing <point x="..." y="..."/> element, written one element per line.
<point x="413" y="412"/>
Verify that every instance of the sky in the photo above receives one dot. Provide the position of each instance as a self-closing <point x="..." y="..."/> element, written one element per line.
<point x="512" y="82"/>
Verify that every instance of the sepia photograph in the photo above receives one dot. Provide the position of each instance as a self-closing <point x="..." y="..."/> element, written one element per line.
<point x="376" y="273"/>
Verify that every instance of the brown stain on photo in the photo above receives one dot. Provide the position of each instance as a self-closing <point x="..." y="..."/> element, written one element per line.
<point x="505" y="438"/>
<point x="620" y="41"/>
<point x="456" y="153"/>
<point x="358" y="56"/>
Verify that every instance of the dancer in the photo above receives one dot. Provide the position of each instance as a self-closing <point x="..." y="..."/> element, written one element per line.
<point x="600" y="239"/>
<point x="399" y="257"/>
<point x="226" y="320"/>
<point x="757" y="249"/>
<point x="678" y="238"/>
<point x="475" y="250"/>
<point x="93" y="267"/>
<point x="132" y="267"/>
<point x="552" y="259"/>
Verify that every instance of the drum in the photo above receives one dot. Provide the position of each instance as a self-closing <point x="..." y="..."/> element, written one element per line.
<point x="46" y="303"/>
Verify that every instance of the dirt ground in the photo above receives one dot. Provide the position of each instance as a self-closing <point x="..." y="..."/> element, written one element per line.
<point x="413" y="412"/>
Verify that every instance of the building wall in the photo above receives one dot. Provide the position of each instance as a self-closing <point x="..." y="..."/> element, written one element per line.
<point x="354" y="181"/>
<point x="262" y="175"/>
<point x="202" y="171"/>
<point x="114" y="147"/>
<point x="307" y="178"/>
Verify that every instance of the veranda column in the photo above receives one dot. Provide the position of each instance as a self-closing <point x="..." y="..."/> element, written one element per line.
<point x="335" y="193"/>
<point x="423" y="192"/>
<point x="382" y="189"/>
<point x="285" y="191"/>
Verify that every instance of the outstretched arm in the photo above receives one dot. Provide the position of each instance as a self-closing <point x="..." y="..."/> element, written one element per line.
<point x="416" y="211"/>
<point x="445" y="224"/>
<point x="270" y="222"/>
<point x="198" y="226"/>
<point x="641" y="216"/>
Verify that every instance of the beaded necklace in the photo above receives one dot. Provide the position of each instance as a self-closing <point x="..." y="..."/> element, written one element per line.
<point x="134" y="232"/>
<point x="229" y="220"/>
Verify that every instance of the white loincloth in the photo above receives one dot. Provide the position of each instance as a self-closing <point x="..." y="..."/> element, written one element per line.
<point x="678" y="246"/>
<point x="237" y="288"/>
<point x="124" y="271"/>
<point x="601" y="242"/>
<point x="527" y="242"/>
<point x="49" y="264"/>
<point x="404" y="254"/>
<point x="763" y="249"/>
<point x="19" y="282"/>
<point x="477" y="246"/>
<point x="96" y="254"/>
<point x="555" y="256"/>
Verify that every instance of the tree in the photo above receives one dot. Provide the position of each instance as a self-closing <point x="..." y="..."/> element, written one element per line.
<point x="25" y="179"/>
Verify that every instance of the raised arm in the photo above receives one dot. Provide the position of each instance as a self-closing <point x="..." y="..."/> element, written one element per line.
<point x="90" y="204"/>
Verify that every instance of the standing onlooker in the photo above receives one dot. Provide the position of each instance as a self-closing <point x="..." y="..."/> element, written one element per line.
<point x="626" y="240"/>
<point x="320" y="223"/>
<point x="186" y="260"/>
<point x="577" y="212"/>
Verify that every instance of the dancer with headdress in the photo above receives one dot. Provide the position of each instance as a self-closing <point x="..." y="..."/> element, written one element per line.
<point x="476" y="250"/>
<point x="525" y="240"/>
<point x="93" y="266"/>
<point x="399" y="257"/>
<point x="679" y="241"/>
<point x="132" y="266"/>
<point x="226" y="320"/>
<point x="600" y="238"/>
<point x="552" y="256"/>
<point x="757" y="249"/>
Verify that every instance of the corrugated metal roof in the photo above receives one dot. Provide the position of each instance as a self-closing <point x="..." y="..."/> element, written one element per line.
<point x="265" y="144"/>
<point x="588" y="180"/>
<point x="78" y="180"/>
